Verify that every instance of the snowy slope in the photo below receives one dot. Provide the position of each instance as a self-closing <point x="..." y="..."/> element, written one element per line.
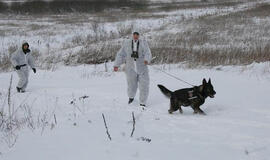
<point x="236" y="125"/>
<point x="50" y="35"/>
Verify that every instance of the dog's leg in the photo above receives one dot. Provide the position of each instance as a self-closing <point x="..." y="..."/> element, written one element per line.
<point x="201" y="111"/>
<point x="197" y="110"/>
<point x="173" y="105"/>
<point x="180" y="108"/>
<point x="194" y="110"/>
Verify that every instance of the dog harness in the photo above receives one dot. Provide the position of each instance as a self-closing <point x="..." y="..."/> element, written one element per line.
<point x="194" y="94"/>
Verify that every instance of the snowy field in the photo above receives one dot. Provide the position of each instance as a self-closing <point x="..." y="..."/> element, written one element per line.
<point x="179" y="28"/>
<point x="60" y="115"/>
<point x="236" y="125"/>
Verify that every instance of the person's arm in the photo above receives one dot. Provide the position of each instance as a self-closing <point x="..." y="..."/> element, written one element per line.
<point x="31" y="62"/>
<point x="120" y="57"/>
<point x="147" y="53"/>
<point x="14" y="60"/>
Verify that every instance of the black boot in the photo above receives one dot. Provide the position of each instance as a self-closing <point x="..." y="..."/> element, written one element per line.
<point x="130" y="100"/>
<point x="143" y="106"/>
<point x="18" y="89"/>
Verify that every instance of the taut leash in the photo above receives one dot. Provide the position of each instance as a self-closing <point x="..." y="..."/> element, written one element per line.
<point x="179" y="79"/>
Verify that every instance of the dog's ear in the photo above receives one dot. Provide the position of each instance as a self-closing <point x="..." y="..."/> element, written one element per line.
<point x="204" y="82"/>
<point x="209" y="81"/>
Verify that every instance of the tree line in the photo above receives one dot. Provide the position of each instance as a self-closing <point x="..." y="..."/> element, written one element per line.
<point x="66" y="6"/>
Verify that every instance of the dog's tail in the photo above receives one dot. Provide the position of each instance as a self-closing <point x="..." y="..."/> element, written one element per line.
<point x="165" y="91"/>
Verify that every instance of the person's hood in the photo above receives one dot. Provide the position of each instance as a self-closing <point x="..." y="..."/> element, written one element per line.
<point x="25" y="43"/>
<point x="27" y="50"/>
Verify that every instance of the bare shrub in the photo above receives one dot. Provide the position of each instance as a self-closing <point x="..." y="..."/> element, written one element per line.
<point x="204" y="56"/>
<point x="96" y="55"/>
<point x="36" y="53"/>
<point x="5" y="64"/>
<point x="13" y="120"/>
<point x="124" y="30"/>
<point x="233" y="39"/>
<point x="77" y="40"/>
<point x="50" y="62"/>
<point x="12" y="48"/>
<point x="20" y="118"/>
<point x="36" y="27"/>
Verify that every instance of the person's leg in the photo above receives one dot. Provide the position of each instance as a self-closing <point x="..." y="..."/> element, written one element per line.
<point x="22" y="79"/>
<point x="144" y="87"/>
<point x="26" y="75"/>
<point x="132" y="84"/>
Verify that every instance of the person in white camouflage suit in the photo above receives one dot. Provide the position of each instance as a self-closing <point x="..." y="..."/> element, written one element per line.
<point x="21" y="60"/>
<point x="136" y="55"/>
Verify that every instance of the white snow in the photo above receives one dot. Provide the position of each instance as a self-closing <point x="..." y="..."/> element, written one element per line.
<point x="236" y="125"/>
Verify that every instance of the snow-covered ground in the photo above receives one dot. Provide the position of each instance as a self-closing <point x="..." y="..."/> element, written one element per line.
<point x="60" y="115"/>
<point x="236" y="125"/>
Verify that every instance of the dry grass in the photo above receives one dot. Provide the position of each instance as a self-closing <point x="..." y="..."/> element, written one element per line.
<point x="5" y="64"/>
<point x="233" y="39"/>
<point x="14" y="118"/>
<point x="97" y="55"/>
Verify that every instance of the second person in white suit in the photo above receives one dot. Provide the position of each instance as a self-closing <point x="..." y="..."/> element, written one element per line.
<point x="22" y="60"/>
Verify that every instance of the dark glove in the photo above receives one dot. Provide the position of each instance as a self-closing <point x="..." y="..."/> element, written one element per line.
<point x="18" y="67"/>
<point x="34" y="70"/>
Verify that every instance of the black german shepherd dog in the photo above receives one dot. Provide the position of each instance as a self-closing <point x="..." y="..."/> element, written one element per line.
<point x="193" y="97"/>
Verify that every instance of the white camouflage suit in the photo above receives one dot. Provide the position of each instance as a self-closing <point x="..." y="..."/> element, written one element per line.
<point x="20" y="58"/>
<point x="136" y="71"/>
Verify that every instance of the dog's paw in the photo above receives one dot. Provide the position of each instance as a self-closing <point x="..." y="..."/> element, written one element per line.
<point x="202" y="113"/>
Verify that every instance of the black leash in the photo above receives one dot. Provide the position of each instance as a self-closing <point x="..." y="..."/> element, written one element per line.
<point x="23" y="65"/>
<point x="173" y="76"/>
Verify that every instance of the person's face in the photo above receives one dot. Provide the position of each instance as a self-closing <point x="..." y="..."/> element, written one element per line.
<point x="136" y="37"/>
<point x="25" y="47"/>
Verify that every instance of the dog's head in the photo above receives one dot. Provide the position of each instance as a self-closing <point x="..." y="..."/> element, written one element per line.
<point x="208" y="88"/>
